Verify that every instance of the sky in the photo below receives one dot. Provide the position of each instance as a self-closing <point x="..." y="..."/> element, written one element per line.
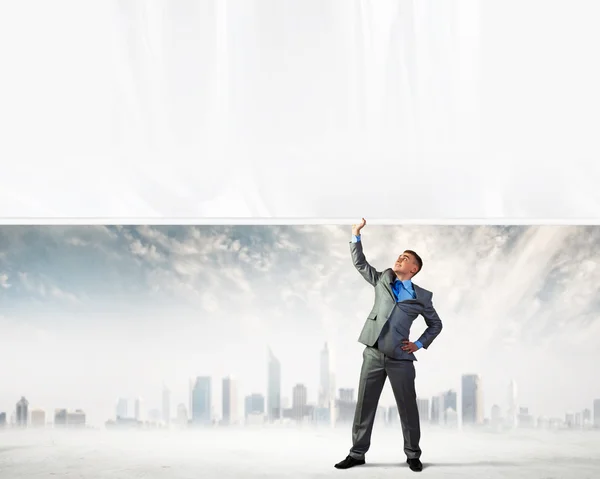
<point x="89" y="314"/>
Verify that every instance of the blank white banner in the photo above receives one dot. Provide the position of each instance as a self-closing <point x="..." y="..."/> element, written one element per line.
<point x="299" y="109"/>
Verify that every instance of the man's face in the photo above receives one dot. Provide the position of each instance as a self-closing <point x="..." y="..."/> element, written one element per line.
<point x="406" y="264"/>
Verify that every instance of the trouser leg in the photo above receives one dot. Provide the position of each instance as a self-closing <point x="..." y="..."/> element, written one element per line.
<point x="402" y="379"/>
<point x="372" y="379"/>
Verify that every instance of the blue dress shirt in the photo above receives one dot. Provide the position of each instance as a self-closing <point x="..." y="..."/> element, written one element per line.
<point x="402" y="290"/>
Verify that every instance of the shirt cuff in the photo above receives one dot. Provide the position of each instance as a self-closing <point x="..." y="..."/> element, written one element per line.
<point x="356" y="238"/>
<point x="418" y="344"/>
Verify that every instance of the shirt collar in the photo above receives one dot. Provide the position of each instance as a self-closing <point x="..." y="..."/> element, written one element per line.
<point x="407" y="283"/>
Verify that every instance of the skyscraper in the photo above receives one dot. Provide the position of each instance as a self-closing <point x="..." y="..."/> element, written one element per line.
<point x="274" y="388"/>
<point x="138" y="409"/>
<point x="122" y="408"/>
<point x="393" y="415"/>
<point x="76" y="418"/>
<point x="166" y="405"/>
<point x="472" y="399"/>
<point x="22" y="412"/>
<point x="512" y="409"/>
<point x="597" y="413"/>
<point x="347" y="394"/>
<point x="436" y="409"/>
<point x="423" y="407"/>
<point x="60" y="417"/>
<point x="254" y="404"/>
<point x="586" y="417"/>
<point x="524" y="418"/>
<point x="201" y="400"/>
<point x="331" y="386"/>
<point x="229" y="401"/>
<point x="182" y="414"/>
<point x="299" y="401"/>
<point x="496" y="415"/>
<point x="191" y="398"/>
<point x="325" y="377"/>
<point x="346" y="405"/>
<point x="38" y="418"/>
<point x="449" y="402"/>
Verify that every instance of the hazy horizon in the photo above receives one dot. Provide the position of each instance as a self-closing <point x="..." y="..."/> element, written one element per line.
<point x="92" y="313"/>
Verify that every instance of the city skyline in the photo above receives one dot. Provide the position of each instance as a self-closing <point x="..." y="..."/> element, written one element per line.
<point x="133" y="307"/>
<point x="442" y="409"/>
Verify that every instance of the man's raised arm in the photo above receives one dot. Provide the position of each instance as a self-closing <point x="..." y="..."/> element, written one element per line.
<point x="358" y="257"/>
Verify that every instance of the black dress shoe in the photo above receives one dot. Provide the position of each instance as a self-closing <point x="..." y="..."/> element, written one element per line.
<point x="349" y="462"/>
<point x="415" y="464"/>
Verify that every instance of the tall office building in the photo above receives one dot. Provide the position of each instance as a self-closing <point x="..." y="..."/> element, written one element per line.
<point x="423" y="407"/>
<point x="472" y="399"/>
<point x="450" y="402"/>
<point x="451" y="417"/>
<point x="2" y="419"/>
<point x="586" y="416"/>
<point x="229" y="397"/>
<point x="347" y="394"/>
<point x="138" y="409"/>
<point x="122" y="408"/>
<point x="182" y="414"/>
<point x="254" y="404"/>
<point x="437" y="411"/>
<point x="597" y="413"/>
<point x="274" y="388"/>
<point x="166" y="405"/>
<point x="38" y="418"/>
<point x="191" y="398"/>
<point x="525" y="419"/>
<point x="76" y="419"/>
<point x="299" y="401"/>
<point x="570" y="419"/>
<point x="346" y="405"/>
<point x="512" y="408"/>
<point x="325" y="377"/>
<point x="22" y="412"/>
<point x="393" y="415"/>
<point x="60" y="417"/>
<point x="201" y="401"/>
<point x="331" y="387"/>
<point x="381" y="415"/>
<point x="496" y="415"/>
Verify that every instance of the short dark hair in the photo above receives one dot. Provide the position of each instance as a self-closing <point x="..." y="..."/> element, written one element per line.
<point x="417" y="258"/>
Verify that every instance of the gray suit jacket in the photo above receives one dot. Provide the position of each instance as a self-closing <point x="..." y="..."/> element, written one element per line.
<point x="385" y="303"/>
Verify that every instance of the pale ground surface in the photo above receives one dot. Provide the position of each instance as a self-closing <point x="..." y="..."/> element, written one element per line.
<point x="292" y="453"/>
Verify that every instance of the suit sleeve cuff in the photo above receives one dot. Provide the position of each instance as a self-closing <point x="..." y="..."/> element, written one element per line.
<point x="418" y="344"/>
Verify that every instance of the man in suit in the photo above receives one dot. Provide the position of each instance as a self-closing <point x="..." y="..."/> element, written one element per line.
<point x="389" y="352"/>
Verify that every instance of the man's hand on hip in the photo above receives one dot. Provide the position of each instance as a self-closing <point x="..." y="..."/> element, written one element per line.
<point x="356" y="228"/>
<point x="409" y="347"/>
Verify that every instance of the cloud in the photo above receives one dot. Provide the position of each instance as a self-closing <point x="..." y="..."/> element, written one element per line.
<point x="506" y="294"/>
<point x="148" y="252"/>
<point x="44" y="288"/>
<point x="75" y="241"/>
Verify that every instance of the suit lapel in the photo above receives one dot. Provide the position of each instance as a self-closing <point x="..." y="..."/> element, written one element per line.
<point x="390" y="277"/>
<point x="417" y="291"/>
<point x="418" y="295"/>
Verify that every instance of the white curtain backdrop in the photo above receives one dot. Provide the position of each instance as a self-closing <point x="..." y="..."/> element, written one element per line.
<point x="399" y="109"/>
